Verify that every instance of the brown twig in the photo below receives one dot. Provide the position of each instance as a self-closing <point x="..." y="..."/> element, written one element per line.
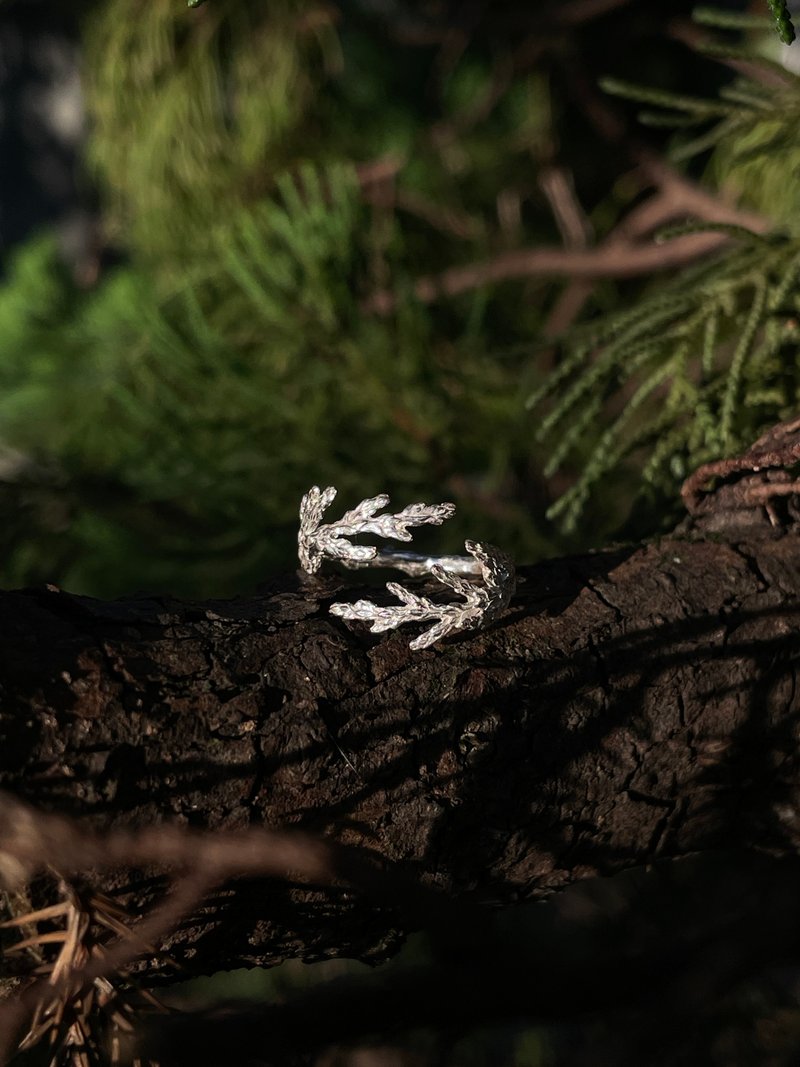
<point x="31" y="840"/>
<point x="557" y="185"/>
<point x="576" y="232"/>
<point x="380" y="170"/>
<point x="778" y="449"/>
<point x="441" y="217"/>
<point x="677" y="198"/>
<point x="611" y="259"/>
<point x="617" y="257"/>
<point x="72" y="979"/>
<point x="567" y="308"/>
<point x="622" y="254"/>
<point x="674" y="197"/>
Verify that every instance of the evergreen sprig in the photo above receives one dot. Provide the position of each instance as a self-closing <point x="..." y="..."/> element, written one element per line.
<point x="783" y="20"/>
<point x="701" y="365"/>
<point x="162" y="435"/>
<point x="736" y="20"/>
<point x="194" y="117"/>
<point x="691" y="373"/>
<point x="754" y="115"/>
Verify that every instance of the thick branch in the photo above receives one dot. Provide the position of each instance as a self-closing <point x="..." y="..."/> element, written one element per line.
<point x="605" y="261"/>
<point x="632" y="704"/>
<point x="662" y="967"/>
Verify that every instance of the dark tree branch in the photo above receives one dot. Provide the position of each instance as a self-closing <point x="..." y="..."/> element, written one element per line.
<point x="661" y="967"/>
<point x="634" y="704"/>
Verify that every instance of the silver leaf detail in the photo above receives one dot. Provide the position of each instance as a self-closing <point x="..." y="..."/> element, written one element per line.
<point x="317" y="540"/>
<point x="481" y="603"/>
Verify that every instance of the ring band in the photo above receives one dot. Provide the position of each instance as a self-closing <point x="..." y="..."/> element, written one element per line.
<point x="417" y="565"/>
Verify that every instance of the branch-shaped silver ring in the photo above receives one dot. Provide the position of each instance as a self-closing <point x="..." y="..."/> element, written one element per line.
<point x="482" y="602"/>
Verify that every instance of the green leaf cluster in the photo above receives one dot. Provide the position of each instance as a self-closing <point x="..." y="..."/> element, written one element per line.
<point x="691" y="373"/>
<point x="748" y="132"/>
<point x="182" y="428"/>
<point x="194" y="113"/>
<point x="701" y="363"/>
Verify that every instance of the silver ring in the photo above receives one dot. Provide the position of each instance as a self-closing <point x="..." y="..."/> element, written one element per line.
<point x="483" y="600"/>
<point x="416" y="565"/>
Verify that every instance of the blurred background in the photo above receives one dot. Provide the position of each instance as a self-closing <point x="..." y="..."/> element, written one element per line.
<point x="214" y="226"/>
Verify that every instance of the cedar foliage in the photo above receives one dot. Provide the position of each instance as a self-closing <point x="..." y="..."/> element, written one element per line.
<point x="709" y="357"/>
<point x="160" y="426"/>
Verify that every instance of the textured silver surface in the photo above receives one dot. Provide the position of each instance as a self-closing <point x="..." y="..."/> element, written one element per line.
<point x="482" y="600"/>
<point x="317" y="541"/>
<point x="418" y="565"/>
<point x="481" y="603"/>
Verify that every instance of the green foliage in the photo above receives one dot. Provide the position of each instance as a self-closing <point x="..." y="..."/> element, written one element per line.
<point x="724" y="19"/>
<point x="691" y="373"/>
<point x="169" y="421"/>
<point x="783" y="20"/>
<point x="751" y="129"/>
<point x="187" y="427"/>
<point x="195" y="113"/>
<point x="700" y="365"/>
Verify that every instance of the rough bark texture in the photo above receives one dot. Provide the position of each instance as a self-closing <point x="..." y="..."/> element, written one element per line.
<point x="633" y="704"/>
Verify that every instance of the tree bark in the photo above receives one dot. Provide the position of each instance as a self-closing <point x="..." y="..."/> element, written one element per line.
<point x="632" y="704"/>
